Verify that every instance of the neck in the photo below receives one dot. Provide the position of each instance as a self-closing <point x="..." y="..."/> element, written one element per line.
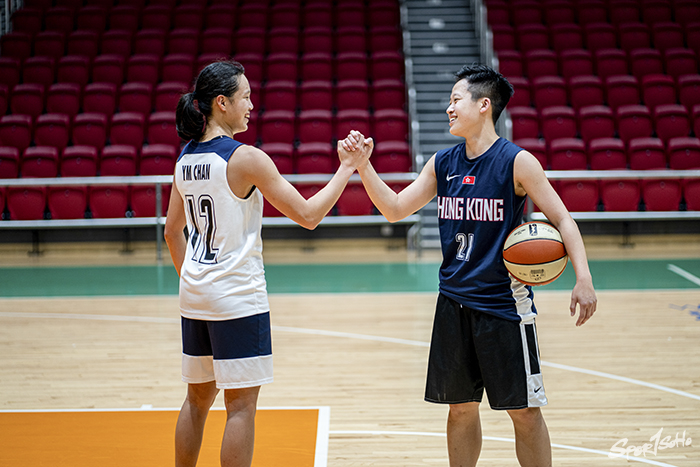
<point x="214" y="129"/>
<point x="479" y="142"/>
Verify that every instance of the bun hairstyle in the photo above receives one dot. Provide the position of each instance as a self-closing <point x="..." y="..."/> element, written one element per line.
<point x="194" y="108"/>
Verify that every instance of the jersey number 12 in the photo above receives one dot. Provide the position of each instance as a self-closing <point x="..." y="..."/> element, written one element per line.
<point x="203" y="236"/>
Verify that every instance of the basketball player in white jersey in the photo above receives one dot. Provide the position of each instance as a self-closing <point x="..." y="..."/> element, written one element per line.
<point x="217" y="199"/>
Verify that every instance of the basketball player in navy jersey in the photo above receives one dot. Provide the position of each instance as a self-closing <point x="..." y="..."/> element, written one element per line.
<point x="217" y="195"/>
<point x="484" y="333"/>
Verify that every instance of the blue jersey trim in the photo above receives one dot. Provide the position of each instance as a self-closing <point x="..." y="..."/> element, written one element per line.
<point x="223" y="146"/>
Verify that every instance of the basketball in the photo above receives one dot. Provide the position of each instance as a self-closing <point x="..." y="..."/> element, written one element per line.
<point x="534" y="253"/>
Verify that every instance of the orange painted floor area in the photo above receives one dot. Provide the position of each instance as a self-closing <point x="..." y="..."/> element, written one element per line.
<point x="145" y="438"/>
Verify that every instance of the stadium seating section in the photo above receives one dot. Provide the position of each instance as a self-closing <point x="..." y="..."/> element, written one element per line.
<point x="89" y="88"/>
<point x="605" y="85"/>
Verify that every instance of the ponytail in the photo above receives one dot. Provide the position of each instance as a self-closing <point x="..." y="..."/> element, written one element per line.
<point x="189" y="121"/>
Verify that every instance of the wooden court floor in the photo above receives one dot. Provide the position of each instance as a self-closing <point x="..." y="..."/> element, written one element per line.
<point x="629" y="377"/>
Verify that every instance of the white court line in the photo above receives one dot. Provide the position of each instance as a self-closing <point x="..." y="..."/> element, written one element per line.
<point x="319" y="332"/>
<point x="683" y="273"/>
<point x="493" y="438"/>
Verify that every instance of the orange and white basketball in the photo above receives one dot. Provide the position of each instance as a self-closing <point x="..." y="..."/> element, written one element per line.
<point x="534" y="253"/>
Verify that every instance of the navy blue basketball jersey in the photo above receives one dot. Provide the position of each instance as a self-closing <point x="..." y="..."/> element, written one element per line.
<point x="477" y="209"/>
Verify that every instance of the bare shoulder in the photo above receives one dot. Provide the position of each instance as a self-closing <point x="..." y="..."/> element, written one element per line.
<point x="249" y="158"/>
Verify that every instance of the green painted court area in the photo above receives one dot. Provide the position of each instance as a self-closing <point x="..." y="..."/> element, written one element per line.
<point x="325" y="278"/>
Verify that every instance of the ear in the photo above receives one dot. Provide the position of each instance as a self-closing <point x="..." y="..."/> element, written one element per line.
<point x="221" y="102"/>
<point x="485" y="105"/>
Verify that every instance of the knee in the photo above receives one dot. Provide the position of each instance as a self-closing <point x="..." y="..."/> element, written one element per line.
<point x="202" y="395"/>
<point x="464" y="411"/>
<point x="530" y="416"/>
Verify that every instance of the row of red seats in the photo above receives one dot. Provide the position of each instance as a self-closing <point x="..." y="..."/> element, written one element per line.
<point x="595" y="36"/>
<point x="87" y="161"/>
<point x="172" y="3"/>
<point x="115" y="69"/>
<point x="615" y="91"/>
<point x="628" y="122"/>
<point x="681" y="153"/>
<point x="552" y="12"/>
<point x="89" y="129"/>
<point x="199" y="16"/>
<point x="603" y="62"/>
<point x="103" y="202"/>
<point x="222" y="41"/>
<point x="628" y="195"/>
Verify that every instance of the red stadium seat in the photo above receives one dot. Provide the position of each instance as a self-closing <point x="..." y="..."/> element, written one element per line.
<point x="392" y="156"/>
<point x="67" y="202"/>
<point x="73" y="69"/>
<point x="503" y="37"/>
<point x="149" y="41"/>
<point x="315" y="126"/>
<point x="250" y="136"/>
<point x="510" y="63"/>
<point x="188" y="15"/>
<point x="315" y="95"/>
<point x="671" y="121"/>
<point x="108" y="69"/>
<point x="350" y="14"/>
<point x="542" y="62"/>
<point x="498" y="12"/>
<point x="317" y="14"/>
<point x="124" y="18"/>
<point x="100" y="98"/>
<point x="16" y="131"/>
<point x="585" y="90"/>
<point x="661" y="195"/>
<point x="689" y="90"/>
<point x="680" y="61"/>
<point x="579" y="195"/>
<point x="390" y="125"/>
<point x="528" y="12"/>
<point x="658" y="90"/>
<point x="127" y="128"/>
<point x="667" y="35"/>
<point x="388" y="94"/>
<point x="90" y="129"/>
<point x="351" y="65"/>
<point x="526" y="122"/>
<point x="136" y="97"/>
<point x="350" y="39"/>
<point x="52" y="130"/>
<point x="532" y="36"/>
<point x="27" y="99"/>
<point x="691" y="194"/>
<point x="50" y="44"/>
<point x="277" y="126"/>
<point x="83" y="43"/>
<point x="384" y="13"/>
<point x="27" y="19"/>
<point x="9" y="162"/>
<point x="645" y="62"/>
<point x="167" y="95"/>
<point x="220" y="15"/>
<point x="26" y="203"/>
<point x="576" y="62"/>
<point x="633" y="121"/>
<point x="692" y="35"/>
<point x="521" y="95"/>
<point x="250" y="40"/>
<point x="352" y="119"/>
<point x="158" y="159"/>
<point x="281" y="66"/>
<point x="314" y="158"/>
<point x="10" y="71"/>
<point x="537" y="147"/>
<point x="143" y="68"/>
<point x="39" y="70"/>
<point x="64" y="98"/>
<point x="565" y="36"/>
<point x="39" y="161"/>
<point x="596" y="121"/>
<point x="118" y="160"/>
<point x="3" y="99"/>
<point x="108" y="201"/>
<point x="317" y="39"/>
<point x="386" y="65"/>
<point x="79" y="161"/>
<point x="352" y="94"/>
<point x="656" y="11"/>
<point x="183" y="40"/>
<point x="161" y="129"/>
<point x="567" y="154"/>
<point x="217" y="41"/>
<point x="620" y="195"/>
<point x="591" y="11"/>
<point x="280" y="95"/>
<point x="354" y="201"/>
<point x="283" y="39"/>
<point x="686" y="11"/>
<point x="282" y="154"/>
<point x="252" y="14"/>
<point x="558" y="122"/>
<point x="382" y="38"/>
<point x="684" y="153"/>
<point x="59" y="18"/>
<point x="622" y="90"/>
<point x="558" y="11"/>
<point x="624" y="11"/>
<point x="91" y="18"/>
<point x="600" y="36"/>
<point x="316" y="66"/>
<point x="253" y="64"/>
<point x="16" y="45"/>
<point x="647" y="154"/>
<point x="178" y="67"/>
<point x="634" y="35"/>
<point x="607" y="154"/>
<point x="610" y="62"/>
<point x="549" y="91"/>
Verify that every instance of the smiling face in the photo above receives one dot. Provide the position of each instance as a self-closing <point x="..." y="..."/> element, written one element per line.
<point x="241" y="106"/>
<point x="465" y="113"/>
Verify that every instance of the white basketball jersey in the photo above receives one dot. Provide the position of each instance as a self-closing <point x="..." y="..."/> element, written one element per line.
<point x="222" y="276"/>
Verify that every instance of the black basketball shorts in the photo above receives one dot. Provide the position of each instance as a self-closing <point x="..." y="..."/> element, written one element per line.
<point x="471" y="351"/>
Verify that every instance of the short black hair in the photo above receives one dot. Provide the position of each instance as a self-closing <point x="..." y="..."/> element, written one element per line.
<point x="484" y="81"/>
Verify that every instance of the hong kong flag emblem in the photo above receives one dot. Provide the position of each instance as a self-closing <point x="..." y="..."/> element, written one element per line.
<point x="468" y="180"/>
